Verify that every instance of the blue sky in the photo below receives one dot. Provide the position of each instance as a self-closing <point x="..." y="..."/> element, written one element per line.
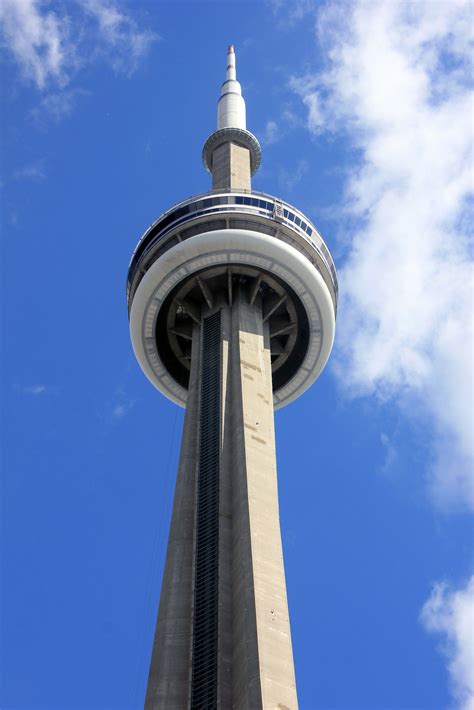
<point x="363" y="111"/>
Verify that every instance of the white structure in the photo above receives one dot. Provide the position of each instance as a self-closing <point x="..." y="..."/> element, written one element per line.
<point x="231" y="105"/>
<point x="232" y="299"/>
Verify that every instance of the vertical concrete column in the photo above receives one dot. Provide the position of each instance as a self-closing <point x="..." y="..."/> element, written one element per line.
<point x="231" y="167"/>
<point x="254" y="654"/>
<point x="169" y="676"/>
<point x="262" y="667"/>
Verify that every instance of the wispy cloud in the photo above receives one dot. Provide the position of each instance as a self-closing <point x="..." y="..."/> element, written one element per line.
<point x="35" y="390"/>
<point x="34" y="171"/>
<point x="450" y="613"/>
<point x="390" y="454"/>
<point x="40" y="41"/>
<point x="125" y="43"/>
<point x="36" y="40"/>
<point x="51" y="43"/>
<point x="271" y="133"/>
<point x="119" y="411"/>
<point x="12" y="219"/>
<point x="290" y="177"/>
<point x="397" y="83"/>
<point x="306" y="88"/>
<point x="118" y="407"/>
<point x="31" y="172"/>
<point x="276" y="130"/>
<point x="289" y="12"/>
<point x="55" y="106"/>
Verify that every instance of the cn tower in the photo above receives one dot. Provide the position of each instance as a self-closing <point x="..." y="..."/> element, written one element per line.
<point x="232" y="299"/>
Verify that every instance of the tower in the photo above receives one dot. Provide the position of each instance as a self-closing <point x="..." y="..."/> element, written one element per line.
<point x="232" y="299"/>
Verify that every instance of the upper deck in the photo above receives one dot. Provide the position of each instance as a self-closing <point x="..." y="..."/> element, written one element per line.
<point x="255" y="211"/>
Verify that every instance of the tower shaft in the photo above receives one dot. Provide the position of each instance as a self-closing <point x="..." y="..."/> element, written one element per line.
<point x="231" y="167"/>
<point x="222" y="637"/>
<point x="232" y="301"/>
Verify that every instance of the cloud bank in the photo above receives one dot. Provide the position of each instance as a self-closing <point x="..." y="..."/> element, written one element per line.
<point x="451" y="613"/>
<point x="398" y="83"/>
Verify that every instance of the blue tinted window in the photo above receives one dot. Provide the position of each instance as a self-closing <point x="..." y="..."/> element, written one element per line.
<point x="286" y="213"/>
<point x="239" y="200"/>
<point x="167" y="220"/>
<point x="297" y="221"/>
<point x="291" y="216"/>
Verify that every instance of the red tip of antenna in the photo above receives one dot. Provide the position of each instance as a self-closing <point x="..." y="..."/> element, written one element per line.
<point x="231" y="49"/>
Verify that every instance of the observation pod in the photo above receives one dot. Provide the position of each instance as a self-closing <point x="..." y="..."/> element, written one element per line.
<point x="200" y="251"/>
<point x="232" y="298"/>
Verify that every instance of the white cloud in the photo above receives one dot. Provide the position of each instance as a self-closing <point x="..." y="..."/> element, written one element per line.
<point x="272" y="133"/>
<point x="290" y="177"/>
<point x="32" y="171"/>
<point x="125" y="42"/>
<point x="451" y="613"/>
<point x="292" y="11"/>
<point x="121" y="405"/>
<point x="397" y="83"/>
<point x="390" y="454"/>
<point x="56" y="105"/>
<point x="119" y="411"/>
<point x="35" y="390"/>
<point x="306" y="88"/>
<point x="51" y="45"/>
<point x="277" y="130"/>
<point x="39" y="40"/>
<point x="115" y="410"/>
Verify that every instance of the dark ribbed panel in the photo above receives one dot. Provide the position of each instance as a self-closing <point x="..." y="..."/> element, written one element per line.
<point x="204" y="662"/>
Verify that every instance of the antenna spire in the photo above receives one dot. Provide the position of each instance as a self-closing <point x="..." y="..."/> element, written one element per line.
<point x="231" y="73"/>
<point x="231" y="154"/>
<point x="231" y="106"/>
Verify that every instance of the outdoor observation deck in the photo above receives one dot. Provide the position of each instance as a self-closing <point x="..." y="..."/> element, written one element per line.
<point x="231" y="210"/>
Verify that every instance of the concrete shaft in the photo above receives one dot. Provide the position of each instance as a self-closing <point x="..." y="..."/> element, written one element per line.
<point x="231" y="167"/>
<point x="252" y="647"/>
<point x="168" y="679"/>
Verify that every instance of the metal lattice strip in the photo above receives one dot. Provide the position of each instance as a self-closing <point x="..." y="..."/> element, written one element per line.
<point x="204" y="662"/>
